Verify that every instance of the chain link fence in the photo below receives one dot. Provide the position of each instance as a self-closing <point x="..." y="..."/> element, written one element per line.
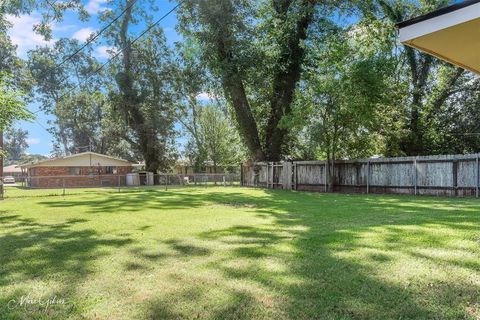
<point x="62" y="185"/>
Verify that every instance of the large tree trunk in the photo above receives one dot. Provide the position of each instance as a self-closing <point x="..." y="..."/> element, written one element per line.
<point x="248" y="127"/>
<point x="285" y="79"/>
<point x="146" y="134"/>
<point x="149" y="151"/>
<point x="235" y="91"/>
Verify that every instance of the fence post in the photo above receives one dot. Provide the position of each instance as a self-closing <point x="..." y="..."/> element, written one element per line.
<point x="478" y="177"/>
<point x="268" y="175"/>
<point x="325" y="182"/>
<point x="166" y="187"/>
<point x="455" y="176"/>
<point x="415" y="176"/>
<point x="272" y="170"/>
<point x="295" y="177"/>
<point x="63" y="183"/>
<point x="119" y="183"/>
<point x="241" y="174"/>
<point x="368" y="177"/>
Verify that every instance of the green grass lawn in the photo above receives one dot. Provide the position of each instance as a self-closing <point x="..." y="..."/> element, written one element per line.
<point x="235" y="253"/>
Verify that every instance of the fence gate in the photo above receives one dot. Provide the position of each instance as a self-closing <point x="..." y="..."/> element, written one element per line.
<point x="279" y="175"/>
<point x="271" y="175"/>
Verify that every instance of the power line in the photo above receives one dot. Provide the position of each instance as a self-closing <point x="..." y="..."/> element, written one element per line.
<point x="92" y="39"/>
<point x="122" y="49"/>
<point x="41" y="125"/>
<point x="97" y="35"/>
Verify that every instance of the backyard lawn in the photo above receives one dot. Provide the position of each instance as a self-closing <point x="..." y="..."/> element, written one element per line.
<point x="235" y="253"/>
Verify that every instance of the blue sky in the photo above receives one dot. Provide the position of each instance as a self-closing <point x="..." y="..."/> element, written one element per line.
<point x="22" y="35"/>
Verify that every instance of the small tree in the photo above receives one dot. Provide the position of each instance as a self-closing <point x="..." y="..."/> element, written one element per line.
<point x="342" y="102"/>
<point x="15" y="143"/>
<point x="12" y="103"/>
<point x="221" y="141"/>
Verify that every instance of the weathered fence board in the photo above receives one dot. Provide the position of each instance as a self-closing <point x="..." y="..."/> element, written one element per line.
<point x="450" y="175"/>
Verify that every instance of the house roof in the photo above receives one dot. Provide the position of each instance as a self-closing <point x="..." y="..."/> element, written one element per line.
<point x="450" y="33"/>
<point x="12" y="169"/>
<point x="73" y="157"/>
<point x="436" y="13"/>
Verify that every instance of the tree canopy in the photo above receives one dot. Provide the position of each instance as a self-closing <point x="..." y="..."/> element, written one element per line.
<point x="260" y="80"/>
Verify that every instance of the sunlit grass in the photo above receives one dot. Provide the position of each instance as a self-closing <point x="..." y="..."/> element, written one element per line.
<point x="237" y="253"/>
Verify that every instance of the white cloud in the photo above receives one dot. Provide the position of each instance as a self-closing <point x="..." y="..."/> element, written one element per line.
<point x="83" y="34"/>
<point x="204" y="96"/>
<point x="32" y="141"/>
<point x="63" y="27"/>
<point x="102" y="52"/>
<point x="95" y="6"/>
<point x="22" y="33"/>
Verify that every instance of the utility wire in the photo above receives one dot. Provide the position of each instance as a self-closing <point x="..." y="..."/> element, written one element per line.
<point x="41" y="125"/>
<point x="96" y="35"/>
<point x="92" y="39"/>
<point x="122" y="49"/>
<point x="116" y="55"/>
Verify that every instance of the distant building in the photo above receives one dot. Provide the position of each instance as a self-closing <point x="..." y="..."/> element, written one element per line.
<point x="87" y="169"/>
<point x="13" y="170"/>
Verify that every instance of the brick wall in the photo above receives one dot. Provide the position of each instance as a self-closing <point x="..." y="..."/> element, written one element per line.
<point x="58" y="177"/>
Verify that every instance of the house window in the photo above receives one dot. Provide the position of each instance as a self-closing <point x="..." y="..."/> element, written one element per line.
<point x="75" y="171"/>
<point x="111" y="170"/>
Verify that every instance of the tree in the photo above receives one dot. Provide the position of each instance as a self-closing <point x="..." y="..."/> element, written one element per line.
<point x="453" y="127"/>
<point x="343" y="103"/>
<point x="144" y="98"/>
<point x="12" y="103"/>
<point x="51" y="11"/>
<point x="191" y="81"/>
<point x="418" y="71"/>
<point x="15" y="143"/>
<point x="12" y="108"/>
<point x="221" y="142"/>
<point x="73" y="94"/>
<point x="256" y="52"/>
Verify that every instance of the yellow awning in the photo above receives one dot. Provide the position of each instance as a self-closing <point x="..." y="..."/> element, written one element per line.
<point x="451" y="34"/>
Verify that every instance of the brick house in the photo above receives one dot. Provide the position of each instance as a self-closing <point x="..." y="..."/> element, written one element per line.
<point x="87" y="169"/>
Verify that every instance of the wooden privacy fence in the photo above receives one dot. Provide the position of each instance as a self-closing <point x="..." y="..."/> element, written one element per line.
<point x="451" y="175"/>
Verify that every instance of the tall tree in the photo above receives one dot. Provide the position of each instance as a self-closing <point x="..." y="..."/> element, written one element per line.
<point x="145" y="84"/>
<point x="191" y="83"/>
<point x="256" y="51"/>
<point x="426" y="92"/>
<point x="344" y="104"/>
<point x="71" y="92"/>
<point x="221" y="142"/>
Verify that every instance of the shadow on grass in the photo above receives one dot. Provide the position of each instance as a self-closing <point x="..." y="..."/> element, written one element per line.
<point x="131" y="201"/>
<point x="329" y="257"/>
<point x="311" y="256"/>
<point x="51" y="253"/>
